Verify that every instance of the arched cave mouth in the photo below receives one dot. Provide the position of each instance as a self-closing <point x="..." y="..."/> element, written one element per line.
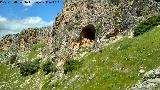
<point x="88" y="32"/>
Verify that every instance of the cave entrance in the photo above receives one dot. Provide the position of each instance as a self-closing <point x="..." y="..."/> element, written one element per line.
<point x="87" y="37"/>
<point x="88" y="32"/>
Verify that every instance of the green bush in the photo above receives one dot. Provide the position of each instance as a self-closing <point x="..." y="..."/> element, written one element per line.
<point x="29" y="68"/>
<point x="115" y="2"/>
<point x="146" y="25"/>
<point x="49" y="67"/>
<point x="12" y="59"/>
<point x="71" y="65"/>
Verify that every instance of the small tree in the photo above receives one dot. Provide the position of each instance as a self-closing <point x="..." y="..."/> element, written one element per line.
<point x="146" y="25"/>
<point x="114" y="2"/>
<point x="12" y="59"/>
<point x="29" y="68"/>
<point x="49" y="67"/>
<point x="71" y="65"/>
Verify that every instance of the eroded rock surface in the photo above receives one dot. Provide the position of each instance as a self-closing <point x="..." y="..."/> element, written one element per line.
<point x="150" y="80"/>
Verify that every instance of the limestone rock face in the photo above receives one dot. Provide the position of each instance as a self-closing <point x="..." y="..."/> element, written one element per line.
<point x="27" y="38"/>
<point x="108" y="17"/>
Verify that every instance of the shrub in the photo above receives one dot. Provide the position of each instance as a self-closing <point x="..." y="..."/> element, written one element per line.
<point x="71" y="65"/>
<point x="48" y="67"/>
<point x="29" y="68"/>
<point x="146" y="25"/>
<point x="12" y="59"/>
<point x="115" y="2"/>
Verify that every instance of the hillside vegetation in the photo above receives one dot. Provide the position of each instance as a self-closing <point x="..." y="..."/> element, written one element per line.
<point x="116" y="67"/>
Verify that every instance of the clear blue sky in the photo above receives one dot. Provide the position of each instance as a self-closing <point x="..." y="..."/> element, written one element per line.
<point x="15" y="17"/>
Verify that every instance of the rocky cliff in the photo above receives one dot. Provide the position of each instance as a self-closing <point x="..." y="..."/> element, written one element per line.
<point x="98" y="20"/>
<point x="28" y="37"/>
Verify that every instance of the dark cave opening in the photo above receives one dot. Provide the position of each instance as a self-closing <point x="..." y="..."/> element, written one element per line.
<point x="88" y="32"/>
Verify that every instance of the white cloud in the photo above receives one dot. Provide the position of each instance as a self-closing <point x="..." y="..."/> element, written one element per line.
<point x="15" y="26"/>
<point x="31" y="2"/>
<point x="2" y="19"/>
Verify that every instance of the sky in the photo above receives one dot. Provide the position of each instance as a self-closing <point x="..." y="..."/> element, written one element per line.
<point x="14" y="17"/>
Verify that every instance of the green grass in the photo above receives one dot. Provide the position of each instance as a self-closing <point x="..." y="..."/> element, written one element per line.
<point x="34" y="51"/>
<point x="10" y="79"/>
<point x="115" y="68"/>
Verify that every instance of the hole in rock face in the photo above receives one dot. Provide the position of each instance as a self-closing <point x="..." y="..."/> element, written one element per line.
<point x="88" y="32"/>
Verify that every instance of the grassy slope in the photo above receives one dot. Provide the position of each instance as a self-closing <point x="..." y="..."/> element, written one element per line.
<point x="116" y="67"/>
<point x="10" y="79"/>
